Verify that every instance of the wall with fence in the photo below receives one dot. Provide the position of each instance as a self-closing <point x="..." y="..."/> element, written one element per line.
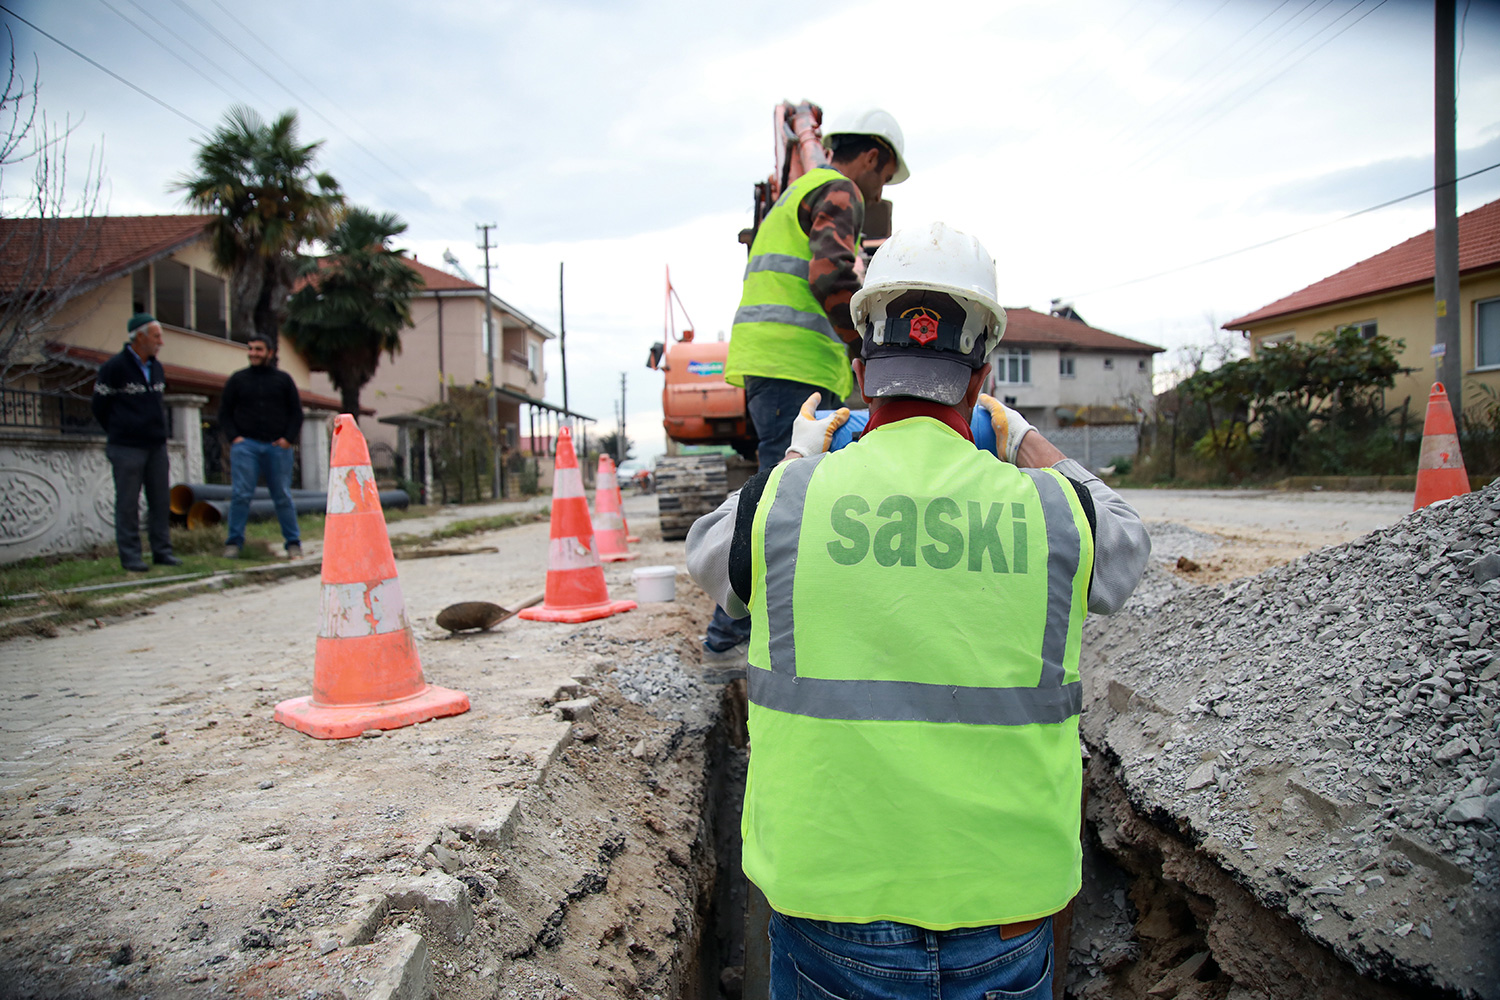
<point x="57" y="493"/>
<point x="1095" y="447"/>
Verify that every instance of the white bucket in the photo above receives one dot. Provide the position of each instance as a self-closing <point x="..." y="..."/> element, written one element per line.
<point x="655" y="583"/>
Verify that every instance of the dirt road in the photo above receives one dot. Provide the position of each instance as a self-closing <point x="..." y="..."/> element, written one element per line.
<point x="159" y="833"/>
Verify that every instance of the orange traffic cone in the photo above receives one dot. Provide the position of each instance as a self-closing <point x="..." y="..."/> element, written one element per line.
<point x="609" y="518"/>
<point x="1440" y="469"/>
<point x="366" y="674"/>
<point x="576" y="591"/>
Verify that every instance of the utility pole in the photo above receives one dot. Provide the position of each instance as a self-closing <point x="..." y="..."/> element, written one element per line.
<point x="620" y="445"/>
<point x="489" y="339"/>
<point x="562" y="326"/>
<point x="1447" y="347"/>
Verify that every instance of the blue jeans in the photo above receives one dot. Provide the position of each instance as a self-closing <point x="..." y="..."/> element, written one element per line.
<point x="884" y="960"/>
<point x="248" y="462"/>
<point x="773" y="404"/>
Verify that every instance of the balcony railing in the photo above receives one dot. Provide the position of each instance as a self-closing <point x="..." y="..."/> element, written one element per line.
<point x="47" y="411"/>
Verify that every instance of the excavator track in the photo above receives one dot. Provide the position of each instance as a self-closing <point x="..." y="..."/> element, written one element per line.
<point x="687" y="487"/>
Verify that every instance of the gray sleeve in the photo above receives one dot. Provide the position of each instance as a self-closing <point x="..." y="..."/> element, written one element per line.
<point x="1121" y="544"/>
<point x="708" y="544"/>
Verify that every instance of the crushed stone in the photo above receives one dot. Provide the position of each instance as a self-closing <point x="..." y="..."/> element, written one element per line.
<point x="1324" y="714"/>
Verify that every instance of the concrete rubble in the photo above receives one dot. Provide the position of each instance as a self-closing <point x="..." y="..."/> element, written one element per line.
<point x="1309" y="758"/>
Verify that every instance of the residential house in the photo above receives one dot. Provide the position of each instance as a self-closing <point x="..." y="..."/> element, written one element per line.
<point x="1392" y="294"/>
<point x="446" y="346"/>
<point x="1086" y="389"/>
<point x="53" y="473"/>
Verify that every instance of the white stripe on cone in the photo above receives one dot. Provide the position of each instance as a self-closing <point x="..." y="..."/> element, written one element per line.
<point x="566" y="484"/>
<point x="571" y="553"/>
<point x="354" y="610"/>
<point x="1440" y="451"/>
<point x="340" y="499"/>
<point x="610" y="520"/>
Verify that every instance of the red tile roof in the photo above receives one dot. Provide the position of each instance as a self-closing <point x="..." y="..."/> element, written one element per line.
<point x="1027" y="327"/>
<point x="442" y="281"/>
<point x="181" y="377"/>
<point x="100" y="248"/>
<point x="1403" y="265"/>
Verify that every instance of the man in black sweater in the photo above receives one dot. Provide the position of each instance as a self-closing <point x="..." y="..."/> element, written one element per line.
<point x="261" y="414"/>
<point x="128" y="405"/>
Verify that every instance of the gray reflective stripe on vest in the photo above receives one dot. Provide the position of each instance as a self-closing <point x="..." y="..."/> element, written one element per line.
<point x="910" y="701"/>
<point x="782" y="690"/>
<point x="782" y="263"/>
<point x="787" y="316"/>
<point x="1063" y="553"/>
<point x="783" y="526"/>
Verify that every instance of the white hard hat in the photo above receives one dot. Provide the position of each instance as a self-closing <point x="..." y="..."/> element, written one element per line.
<point x="921" y="352"/>
<point x="935" y="259"/>
<point x="870" y="121"/>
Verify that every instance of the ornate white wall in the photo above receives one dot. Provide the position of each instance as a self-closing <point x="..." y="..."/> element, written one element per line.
<point x="57" y="495"/>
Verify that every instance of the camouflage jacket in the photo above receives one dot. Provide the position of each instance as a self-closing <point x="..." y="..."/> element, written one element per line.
<point x="832" y="215"/>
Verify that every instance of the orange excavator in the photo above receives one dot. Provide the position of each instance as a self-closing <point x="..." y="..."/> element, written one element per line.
<point x="698" y="406"/>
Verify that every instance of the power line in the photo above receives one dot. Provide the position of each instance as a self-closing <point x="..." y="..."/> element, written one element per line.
<point x="293" y="68"/>
<point x="294" y="96"/>
<point x="1278" y="239"/>
<point x="1151" y="157"/>
<point x="1215" y="59"/>
<point x="105" y="69"/>
<point x="167" y="48"/>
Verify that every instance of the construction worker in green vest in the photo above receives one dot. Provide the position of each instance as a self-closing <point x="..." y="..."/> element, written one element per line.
<point x="912" y="803"/>
<point x="793" y="333"/>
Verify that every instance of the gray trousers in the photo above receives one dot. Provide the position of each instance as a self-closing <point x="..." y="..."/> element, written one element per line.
<point x="134" y="468"/>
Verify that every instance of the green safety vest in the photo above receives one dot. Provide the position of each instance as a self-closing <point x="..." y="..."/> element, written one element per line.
<point x="913" y="682"/>
<point x="781" y="329"/>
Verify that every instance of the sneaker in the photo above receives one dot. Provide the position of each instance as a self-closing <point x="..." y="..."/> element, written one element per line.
<point x="231" y="552"/>
<point x="166" y="560"/>
<point x="294" y="550"/>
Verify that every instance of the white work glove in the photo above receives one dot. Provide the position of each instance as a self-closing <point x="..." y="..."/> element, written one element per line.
<point x="811" y="435"/>
<point x="1010" y="427"/>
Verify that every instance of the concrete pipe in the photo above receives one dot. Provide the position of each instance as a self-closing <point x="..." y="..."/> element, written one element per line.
<point x="209" y="513"/>
<point x="184" y="495"/>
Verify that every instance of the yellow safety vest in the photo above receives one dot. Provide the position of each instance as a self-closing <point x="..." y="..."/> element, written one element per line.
<point x="913" y="682"/>
<point x="780" y="329"/>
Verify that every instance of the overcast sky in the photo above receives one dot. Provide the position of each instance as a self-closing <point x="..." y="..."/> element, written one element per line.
<point x="1086" y="144"/>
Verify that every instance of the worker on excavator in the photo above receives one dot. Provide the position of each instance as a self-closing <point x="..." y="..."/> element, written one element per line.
<point x="793" y="333"/>
<point x="912" y="802"/>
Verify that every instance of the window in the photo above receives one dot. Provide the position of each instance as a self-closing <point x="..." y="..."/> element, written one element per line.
<point x="140" y="290"/>
<point x="1109" y="364"/>
<point x="209" y="314"/>
<point x="1285" y="337"/>
<point x="534" y="360"/>
<point x="1487" y="334"/>
<point x="1065" y="366"/>
<point x="1013" y="365"/>
<point x="1368" y="330"/>
<point x="172" y="293"/>
<point x="1140" y="365"/>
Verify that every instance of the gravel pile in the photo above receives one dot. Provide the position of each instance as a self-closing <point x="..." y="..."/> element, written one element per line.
<point x="1372" y="664"/>
<point x="654" y="677"/>
<point x="1328" y="721"/>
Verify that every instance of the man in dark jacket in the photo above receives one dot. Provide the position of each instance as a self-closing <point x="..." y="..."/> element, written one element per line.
<point x="128" y="405"/>
<point x="261" y="415"/>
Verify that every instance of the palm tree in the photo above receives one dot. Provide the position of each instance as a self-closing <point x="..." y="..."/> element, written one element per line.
<point x="260" y="183"/>
<point x="355" y="302"/>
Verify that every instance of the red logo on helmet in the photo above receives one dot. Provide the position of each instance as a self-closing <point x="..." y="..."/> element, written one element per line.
<point x="924" y="329"/>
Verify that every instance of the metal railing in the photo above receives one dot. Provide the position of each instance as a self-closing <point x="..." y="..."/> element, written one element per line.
<point x="47" y="411"/>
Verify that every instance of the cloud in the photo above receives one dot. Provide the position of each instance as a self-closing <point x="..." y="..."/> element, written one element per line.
<point x="1353" y="188"/>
